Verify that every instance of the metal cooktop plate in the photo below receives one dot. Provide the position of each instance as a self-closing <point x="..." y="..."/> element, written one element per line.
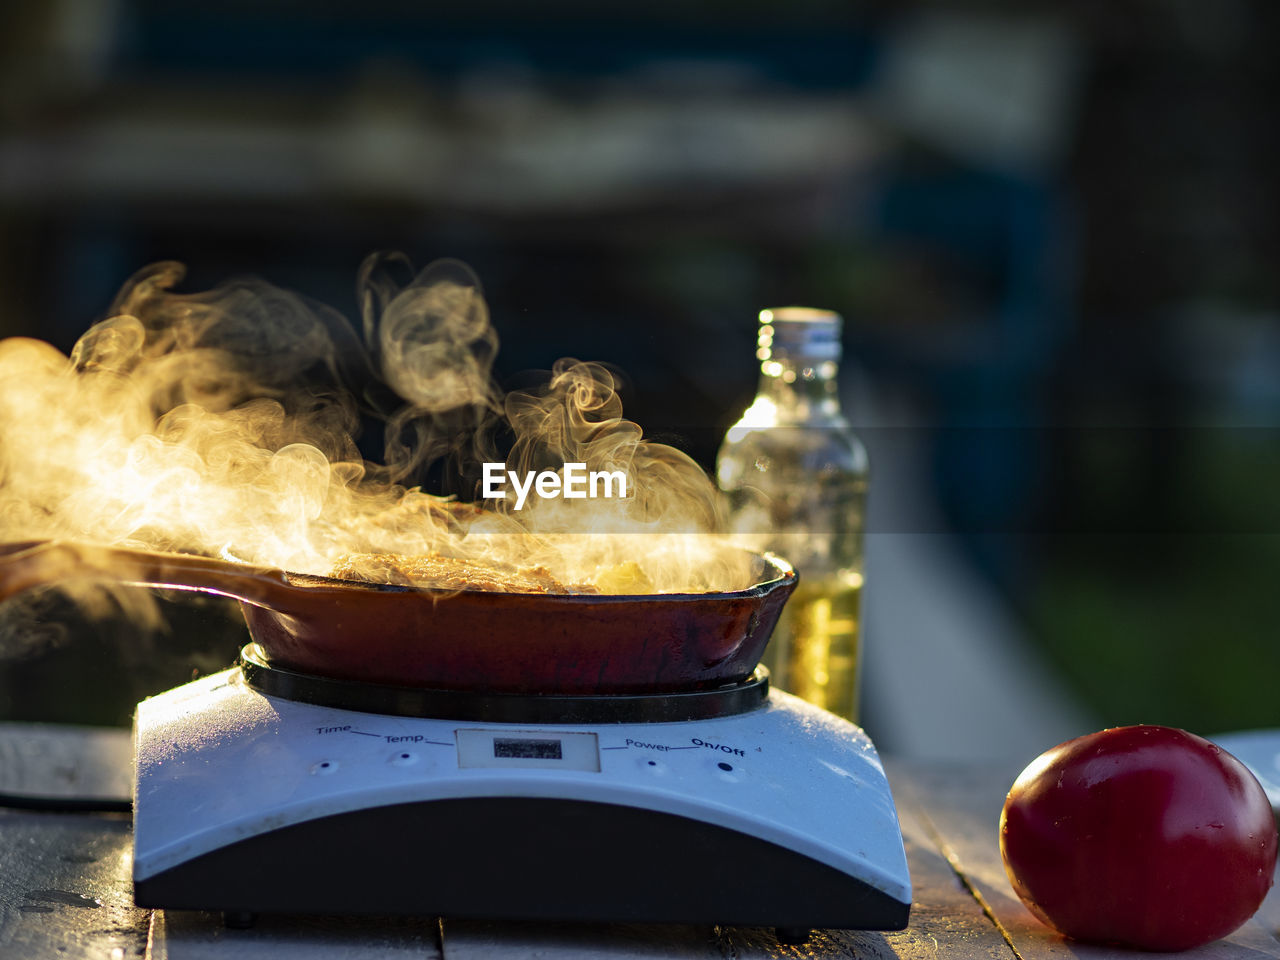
<point x="724" y="701"/>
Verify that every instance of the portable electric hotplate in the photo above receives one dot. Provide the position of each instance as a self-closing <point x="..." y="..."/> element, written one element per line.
<point x="260" y="790"/>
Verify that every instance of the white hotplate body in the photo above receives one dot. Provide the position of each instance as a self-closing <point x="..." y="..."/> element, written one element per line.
<point x="219" y="762"/>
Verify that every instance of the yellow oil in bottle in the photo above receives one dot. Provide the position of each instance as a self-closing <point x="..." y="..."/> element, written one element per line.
<point x="795" y="479"/>
<point x="814" y="649"/>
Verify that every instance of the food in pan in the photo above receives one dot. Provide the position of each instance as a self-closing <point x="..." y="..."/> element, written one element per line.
<point x="437" y="572"/>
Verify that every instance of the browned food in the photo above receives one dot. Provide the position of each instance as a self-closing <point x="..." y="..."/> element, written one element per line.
<point x="448" y="573"/>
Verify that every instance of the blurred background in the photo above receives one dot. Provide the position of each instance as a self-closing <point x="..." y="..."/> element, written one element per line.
<point x="1053" y="230"/>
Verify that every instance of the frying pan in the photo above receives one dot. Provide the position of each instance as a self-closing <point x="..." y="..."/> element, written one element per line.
<point x="453" y="640"/>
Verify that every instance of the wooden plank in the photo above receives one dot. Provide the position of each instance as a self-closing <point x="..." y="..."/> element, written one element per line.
<point x="64" y="763"/>
<point x="189" y="935"/>
<point x="507" y="939"/>
<point x="504" y="940"/>
<point x="963" y="806"/>
<point x="65" y="888"/>
<point x="945" y="916"/>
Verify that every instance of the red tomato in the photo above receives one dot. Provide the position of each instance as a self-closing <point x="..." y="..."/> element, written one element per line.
<point x="1142" y="836"/>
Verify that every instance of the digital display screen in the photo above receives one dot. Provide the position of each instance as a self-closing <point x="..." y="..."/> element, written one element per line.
<point x="527" y="749"/>
<point x="558" y="750"/>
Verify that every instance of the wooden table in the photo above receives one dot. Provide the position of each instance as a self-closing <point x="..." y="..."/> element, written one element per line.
<point x="65" y="891"/>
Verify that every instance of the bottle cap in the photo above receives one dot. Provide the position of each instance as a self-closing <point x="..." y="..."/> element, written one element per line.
<point x="801" y="333"/>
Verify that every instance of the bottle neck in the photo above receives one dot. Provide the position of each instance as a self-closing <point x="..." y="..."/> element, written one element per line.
<point x="800" y="389"/>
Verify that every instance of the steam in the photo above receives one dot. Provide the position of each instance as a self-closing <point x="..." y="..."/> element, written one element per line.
<point x="224" y="422"/>
<point x="434" y="346"/>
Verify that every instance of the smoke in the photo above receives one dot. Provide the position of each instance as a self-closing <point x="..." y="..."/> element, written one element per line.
<point x="225" y="422"/>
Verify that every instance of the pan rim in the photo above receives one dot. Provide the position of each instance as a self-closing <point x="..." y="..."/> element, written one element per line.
<point x="782" y="569"/>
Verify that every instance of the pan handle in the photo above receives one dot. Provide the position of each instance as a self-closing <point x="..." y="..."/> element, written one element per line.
<point x="35" y="563"/>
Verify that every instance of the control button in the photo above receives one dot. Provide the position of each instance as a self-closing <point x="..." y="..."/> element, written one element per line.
<point x="325" y="767"/>
<point x="727" y="771"/>
<point x="404" y="758"/>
